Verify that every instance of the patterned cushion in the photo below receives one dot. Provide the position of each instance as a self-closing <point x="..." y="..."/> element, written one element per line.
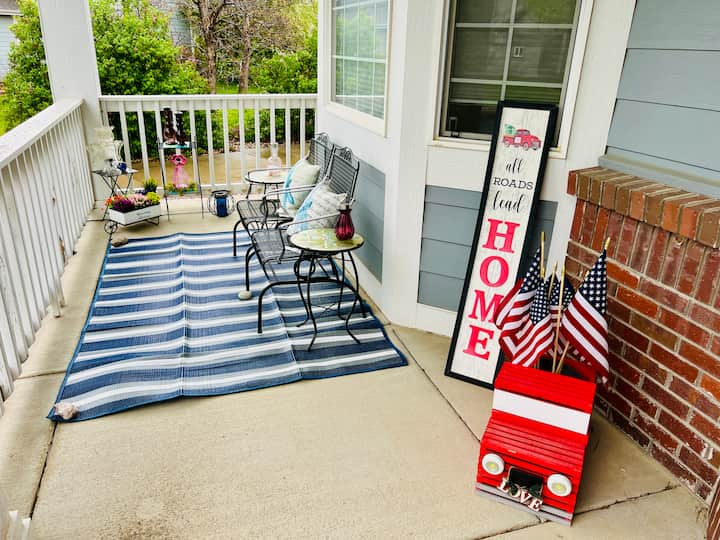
<point x="320" y="202"/>
<point x="302" y="174"/>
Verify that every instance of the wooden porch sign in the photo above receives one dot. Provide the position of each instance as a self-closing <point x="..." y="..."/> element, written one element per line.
<point x="516" y="165"/>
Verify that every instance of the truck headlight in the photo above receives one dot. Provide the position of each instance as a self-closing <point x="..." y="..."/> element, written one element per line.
<point x="559" y="485"/>
<point x="493" y="464"/>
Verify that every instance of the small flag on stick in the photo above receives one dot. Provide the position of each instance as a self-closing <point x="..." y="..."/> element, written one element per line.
<point x="514" y="309"/>
<point x="535" y="338"/>
<point x="583" y="322"/>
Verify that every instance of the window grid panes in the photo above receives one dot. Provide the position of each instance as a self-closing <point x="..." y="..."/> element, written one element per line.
<point x="360" y="33"/>
<point x="504" y="49"/>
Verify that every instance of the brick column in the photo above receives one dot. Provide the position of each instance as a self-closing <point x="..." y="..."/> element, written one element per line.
<point x="663" y="314"/>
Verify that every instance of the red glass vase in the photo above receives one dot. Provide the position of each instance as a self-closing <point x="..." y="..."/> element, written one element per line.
<point x="344" y="228"/>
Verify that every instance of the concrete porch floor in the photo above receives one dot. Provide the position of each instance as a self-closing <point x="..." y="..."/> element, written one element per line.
<point x="385" y="454"/>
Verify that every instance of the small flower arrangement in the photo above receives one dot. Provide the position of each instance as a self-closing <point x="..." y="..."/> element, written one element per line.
<point x="125" y="204"/>
<point x="181" y="189"/>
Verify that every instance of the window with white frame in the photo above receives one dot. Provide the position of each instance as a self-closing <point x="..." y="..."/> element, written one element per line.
<point x="359" y="55"/>
<point x="504" y="49"/>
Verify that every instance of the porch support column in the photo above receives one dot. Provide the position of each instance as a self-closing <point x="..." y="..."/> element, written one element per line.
<point x="410" y="108"/>
<point x="72" y="66"/>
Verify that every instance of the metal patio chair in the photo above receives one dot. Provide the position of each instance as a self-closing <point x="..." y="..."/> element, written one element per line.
<point x="266" y="212"/>
<point x="272" y="247"/>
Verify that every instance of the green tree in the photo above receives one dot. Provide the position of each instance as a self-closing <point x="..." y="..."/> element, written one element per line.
<point x="289" y="73"/>
<point x="232" y="35"/>
<point x="135" y="55"/>
<point x="27" y="86"/>
<point x="135" y="52"/>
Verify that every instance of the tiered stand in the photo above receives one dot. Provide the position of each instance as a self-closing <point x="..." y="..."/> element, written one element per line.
<point x="533" y="449"/>
<point x="192" y="146"/>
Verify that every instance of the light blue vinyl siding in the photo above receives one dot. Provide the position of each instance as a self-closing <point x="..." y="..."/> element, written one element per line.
<point x="666" y="124"/>
<point x="368" y="216"/>
<point x="6" y="38"/>
<point x="448" y="228"/>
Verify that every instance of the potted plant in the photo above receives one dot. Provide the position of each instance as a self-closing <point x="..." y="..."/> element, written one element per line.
<point x="150" y="186"/>
<point x="129" y="209"/>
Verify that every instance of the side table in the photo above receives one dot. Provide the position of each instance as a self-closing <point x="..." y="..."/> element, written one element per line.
<point x="274" y="178"/>
<point x="316" y="244"/>
<point x="111" y="181"/>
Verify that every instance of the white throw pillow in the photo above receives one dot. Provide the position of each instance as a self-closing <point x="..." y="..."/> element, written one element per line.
<point x="320" y="202"/>
<point x="301" y="175"/>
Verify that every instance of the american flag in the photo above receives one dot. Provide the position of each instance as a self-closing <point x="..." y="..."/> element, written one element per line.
<point x="583" y="322"/>
<point x="513" y="310"/>
<point x="535" y="337"/>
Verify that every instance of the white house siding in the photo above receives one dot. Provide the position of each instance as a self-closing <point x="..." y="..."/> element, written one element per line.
<point x="6" y="38"/>
<point x="413" y="158"/>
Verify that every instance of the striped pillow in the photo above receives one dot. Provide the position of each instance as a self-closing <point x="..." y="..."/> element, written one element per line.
<point x="320" y="202"/>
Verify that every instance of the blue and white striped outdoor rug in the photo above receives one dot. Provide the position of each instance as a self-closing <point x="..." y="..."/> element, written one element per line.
<point x="166" y="322"/>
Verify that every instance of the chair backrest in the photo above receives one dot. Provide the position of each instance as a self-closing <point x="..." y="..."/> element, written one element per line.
<point x="343" y="172"/>
<point x="321" y="152"/>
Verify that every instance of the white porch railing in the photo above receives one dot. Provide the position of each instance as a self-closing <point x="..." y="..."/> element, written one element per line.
<point x="207" y="104"/>
<point x="45" y="196"/>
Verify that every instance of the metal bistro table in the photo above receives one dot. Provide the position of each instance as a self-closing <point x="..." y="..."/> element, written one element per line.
<point x="318" y="244"/>
<point x="274" y="178"/>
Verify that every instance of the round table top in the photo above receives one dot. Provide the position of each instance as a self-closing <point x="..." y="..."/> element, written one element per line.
<point x="325" y="241"/>
<point x="105" y="172"/>
<point x="269" y="176"/>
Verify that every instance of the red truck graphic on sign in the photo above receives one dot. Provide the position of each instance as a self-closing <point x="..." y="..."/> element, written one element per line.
<point x="520" y="138"/>
<point x="533" y="449"/>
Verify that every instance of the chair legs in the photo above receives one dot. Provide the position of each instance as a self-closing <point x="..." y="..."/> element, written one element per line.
<point x="239" y="222"/>
<point x="245" y="294"/>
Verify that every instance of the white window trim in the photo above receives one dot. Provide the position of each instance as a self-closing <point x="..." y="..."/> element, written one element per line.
<point x="568" y="109"/>
<point x="364" y="120"/>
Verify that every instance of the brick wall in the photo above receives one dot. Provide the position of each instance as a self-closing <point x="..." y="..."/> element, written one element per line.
<point x="713" y="530"/>
<point x="663" y="315"/>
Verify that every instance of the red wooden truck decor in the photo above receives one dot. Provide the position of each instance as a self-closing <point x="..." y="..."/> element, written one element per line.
<point x="533" y="449"/>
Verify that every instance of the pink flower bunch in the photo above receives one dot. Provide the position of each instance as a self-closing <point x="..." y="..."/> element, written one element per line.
<point x="138" y="200"/>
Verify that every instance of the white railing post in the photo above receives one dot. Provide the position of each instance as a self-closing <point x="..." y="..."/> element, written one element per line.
<point x="210" y="150"/>
<point x="226" y="143"/>
<point x="256" y="118"/>
<point x="241" y="136"/>
<point x="288" y="134"/>
<point x="302" y="128"/>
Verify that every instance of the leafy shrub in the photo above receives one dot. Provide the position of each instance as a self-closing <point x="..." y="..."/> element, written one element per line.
<point x="135" y="55"/>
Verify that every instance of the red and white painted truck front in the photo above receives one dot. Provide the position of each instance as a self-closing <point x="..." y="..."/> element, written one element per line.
<point x="533" y="449"/>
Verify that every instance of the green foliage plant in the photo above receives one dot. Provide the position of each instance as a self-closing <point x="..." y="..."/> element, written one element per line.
<point x="150" y="185"/>
<point x="135" y="55"/>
